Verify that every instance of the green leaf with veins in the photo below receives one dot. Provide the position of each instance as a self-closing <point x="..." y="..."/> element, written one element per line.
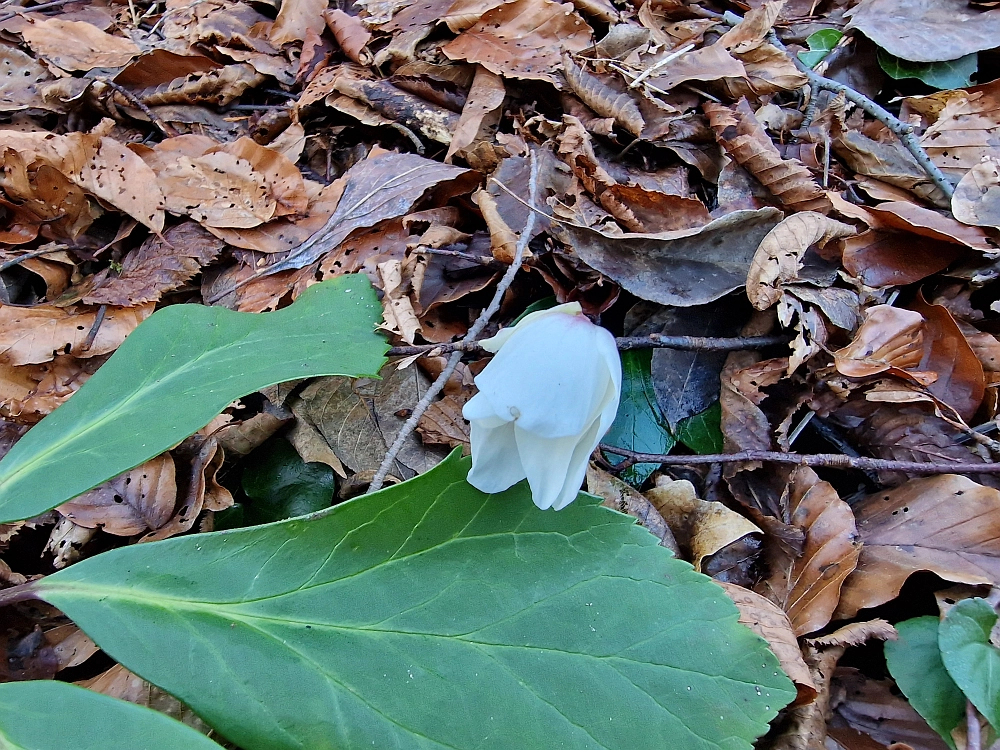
<point x="431" y="615"/>
<point x="177" y="370"/>
<point x="821" y="43"/>
<point x="51" y="715"/>
<point x="944" y="75"/>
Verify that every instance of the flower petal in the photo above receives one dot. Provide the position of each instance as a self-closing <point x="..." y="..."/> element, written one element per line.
<point x="496" y="464"/>
<point x="494" y="343"/>
<point x="548" y="465"/>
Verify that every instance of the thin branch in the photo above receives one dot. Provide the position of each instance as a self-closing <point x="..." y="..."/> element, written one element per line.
<point x="973" y="738"/>
<point x="652" y="341"/>
<point x="44" y="6"/>
<point x="33" y="254"/>
<point x="831" y="460"/>
<point x="474" y="331"/>
<point x="134" y="101"/>
<point x="900" y="129"/>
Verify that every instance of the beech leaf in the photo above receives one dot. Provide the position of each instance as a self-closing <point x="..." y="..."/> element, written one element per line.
<point x="433" y="615"/>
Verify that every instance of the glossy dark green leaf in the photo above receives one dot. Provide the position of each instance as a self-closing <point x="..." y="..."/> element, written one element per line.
<point x="638" y="425"/>
<point x="821" y="43"/>
<point x="279" y="484"/>
<point x="431" y="615"/>
<point x="945" y="75"/>
<point x="914" y="661"/>
<point x="50" y="715"/>
<point x="177" y="370"/>
<point x="970" y="657"/>
<point x="702" y="433"/>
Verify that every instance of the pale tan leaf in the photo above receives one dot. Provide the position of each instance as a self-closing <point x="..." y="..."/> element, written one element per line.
<point x="977" y="197"/>
<point x="480" y="113"/>
<point x="297" y="19"/>
<point x="601" y="97"/>
<point x="945" y="524"/>
<point x="21" y="78"/>
<point x="140" y="499"/>
<point x="779" y="255"/>
<point x="75" y="45"/>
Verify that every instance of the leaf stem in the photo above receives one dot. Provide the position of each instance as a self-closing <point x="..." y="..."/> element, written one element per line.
<point x="484" y="317"/>
<point x="21" y="593"/>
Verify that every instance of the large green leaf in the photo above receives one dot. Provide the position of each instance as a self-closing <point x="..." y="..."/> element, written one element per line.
<point x="49" y="715"/>
<point x="947" y="74"/>
<point x="970" y="657"/>
<point x="175" y="372"/>
<point x="914" y="661"/>
<point x="431" y="615"/>
<point x="639" y="424"/>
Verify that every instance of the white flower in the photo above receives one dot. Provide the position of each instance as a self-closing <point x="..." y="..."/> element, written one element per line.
<point x="544" y="402"/>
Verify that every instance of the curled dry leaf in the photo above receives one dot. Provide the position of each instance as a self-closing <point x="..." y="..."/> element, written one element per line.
<point x="131" y="503"/>
<point x="946" y="524"/>
<point x="523" y="39"/>
<point x="889" y="339"/>
<point x="770" y="622"/>
<point x="977" y="197"/>
<point x="746" y="141"/>
<point x="909" y="217"/>
<point x="700" y="527"/>
<point x="159" y="265"/>
<point x="30" y="335"/>
<point x="481" y="112"/>
<point x="76" y="45"/>
<point x="779" y="255"/>
<point x="624" y="498"/>
<point x="602" y="97"/>
<point x="806" y="583"/>
<point x="349" y="32"/>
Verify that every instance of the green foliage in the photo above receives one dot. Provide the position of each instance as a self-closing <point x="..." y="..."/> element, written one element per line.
<point x="280" y="484"/>
<point x="948" y="74"/>
<point x="914" y="661"/>
<point x="702" y="433"/>
<point x="176" y="371"/>
<point x="970" y="657"/>
<point x="821" y="44"/>
<point x="432" y="615"/>
<point x="50" y="715"/>
<point x="639" y="424"/>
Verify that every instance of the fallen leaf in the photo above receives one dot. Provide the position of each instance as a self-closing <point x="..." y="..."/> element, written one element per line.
<point x="75" y="45"/>
<point x="806" y="583"/>
<point x="881" y="259"/>
<point x="296" y="20"/>
<point x="909" y="217"/>
<point x="21" y="77"/>
<point x="523" y="39"/>
<point x="977" y="197"/>
<point x="480" y="113"/>
<point x="945" y="524"/>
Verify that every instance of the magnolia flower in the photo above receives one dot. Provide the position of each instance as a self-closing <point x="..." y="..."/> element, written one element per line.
<point x="544" y="402"/>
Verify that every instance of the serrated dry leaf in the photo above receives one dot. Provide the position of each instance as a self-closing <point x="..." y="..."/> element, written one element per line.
<point x="945" y="524"/>
<point x="131" y="503"/>
<point x="806" y="584"/>
<point x="523" y="39"/>
<point x="75" y="45"/>
<point x="602" y="97"/>
<point x="702" y="528"/>
<point x="746" y="141"/>
<point x="159" y="265"/>
<point x="217" y="87"/>
<point x="770" y="622"/>
<point x="779" y="255"/>
<point x="977" y="197"/>
<point x="30" y="335"/>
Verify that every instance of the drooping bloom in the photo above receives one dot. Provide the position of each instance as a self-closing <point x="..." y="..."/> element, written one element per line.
<point x="544" y="402"/>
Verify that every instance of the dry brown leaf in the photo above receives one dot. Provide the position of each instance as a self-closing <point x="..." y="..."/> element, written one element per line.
<point x="746" y="141"/>
<point x="65" y="542"/>
<point x="604" y="97"/>
<point x="977" y="197"/>
<point x="29" y="392"/>
<point x="779" y="255"/>
<point x="767" y="68"/>
<point x="503" y="240"/>
<point x="700" y="527"/>
<point x="770" y="622"/>
<point x="70" y="645"/>
<point x="75" y="45"/>
<point x="443" y="424"/>
<point x="30" y="335"/>
<point x="21" y="79"/>
<point x="216" y="87"/>
<point x="41" y="197"/>
<point x="523" y="39"/>
<point x="159" y="265"/>
<point x="890" y="338"/>
<point x="625" y="499"/>
<point x="398" y="314"/>
<point x="131" y="503"/>
<point x="706" y="64"/>
<point x="296" y="20"/>
<point x="350" y="33"/>
<point x="945" y="524"/>
<point x="909" y="217"/>
<point x="239" y="184"/>
<point x="806" y="584"/>
<point x="480" y="114"/>
<point x="880" y="259"/>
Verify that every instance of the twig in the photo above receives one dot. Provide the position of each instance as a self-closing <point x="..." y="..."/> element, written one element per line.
<point x="653" y="341"/>
<point x="474" y="331"/>
<point x="662" y="63"/>
<point x="98" y="322"/>
<point x="44" y="6"/>
<point x="483" y="260"/>
<point x="973" y="738"/>
<point x="134" y="101"/>
<point x="33" y="254"/>
<point x="831" y="460"/>
<point x="900" y="129"/>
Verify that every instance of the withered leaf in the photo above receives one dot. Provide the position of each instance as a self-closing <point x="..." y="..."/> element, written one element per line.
<point x="807" y="584"/>
<point x="20" y="79"/>
<point x="297" y="19"/>
<point x="158" y="266"/>
<point x="945" y="524"/>
<point x="977" y="197"/>
<point x="601" y="97"/>
<point x="76" y="45"/>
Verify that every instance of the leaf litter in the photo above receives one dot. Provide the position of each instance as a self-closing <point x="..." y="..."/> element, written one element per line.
<point x="235" y="155"/>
